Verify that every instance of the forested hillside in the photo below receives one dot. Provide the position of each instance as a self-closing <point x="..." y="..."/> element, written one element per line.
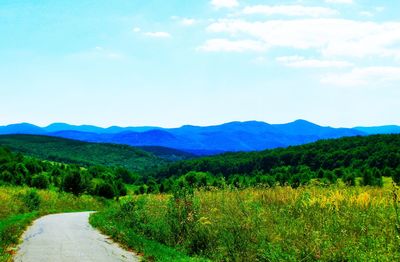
<point x="19" y="170"/>
<point x="324" y="161"/>
<point x="83" y="153"/>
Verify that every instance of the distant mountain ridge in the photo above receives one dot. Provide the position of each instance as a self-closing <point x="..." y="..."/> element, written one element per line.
<point x="233" y="136"/>
<point x="375" y="130"/>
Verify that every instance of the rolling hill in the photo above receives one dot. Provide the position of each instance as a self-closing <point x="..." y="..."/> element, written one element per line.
<point x="84" y="153"/>
<point x="349" y="155"/>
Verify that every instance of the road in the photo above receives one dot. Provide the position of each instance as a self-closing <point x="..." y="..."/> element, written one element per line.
<point x="68" y="237"/>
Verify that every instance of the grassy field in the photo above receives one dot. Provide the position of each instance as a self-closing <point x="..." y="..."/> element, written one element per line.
<point x="312" y="223"/>
<point x="19" y="206"/>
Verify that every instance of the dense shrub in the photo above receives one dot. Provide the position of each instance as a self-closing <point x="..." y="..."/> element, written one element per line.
<point x="74" y="182"/>
<point x="31" y="200"/>
<point x="104" y="189"/>
<point x="396" y="176"/>
<point x="40" y="181"/>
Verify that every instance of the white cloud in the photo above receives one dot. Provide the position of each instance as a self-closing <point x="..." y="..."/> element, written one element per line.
<point x="339" y="1"/>
<point x="158" y="34"/>
<point x="301" y="62"/>
<point x="136" y="29"/>
<point x="366" y="13"/>
<point x="330" y="37"/>
<point x="367" y="76"/>
<point x="188" y="21"/>
<point x="289" y="10"/>
<point x="225" y="3"/>
<point x="225" y="45"/>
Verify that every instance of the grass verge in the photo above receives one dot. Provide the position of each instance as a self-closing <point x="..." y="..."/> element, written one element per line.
<point x="10" y="230"/>
<point x="152" y="251"/>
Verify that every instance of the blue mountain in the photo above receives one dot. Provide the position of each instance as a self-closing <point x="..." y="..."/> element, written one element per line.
<point x="233" y="136"/>
<point x="23" y="128"/>
<point x="57" y="127"/>
<point x="379" y="129"/>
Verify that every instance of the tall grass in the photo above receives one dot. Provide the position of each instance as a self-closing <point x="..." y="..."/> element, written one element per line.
<point x="276" y="224"/>
<point x="19" y="206"/>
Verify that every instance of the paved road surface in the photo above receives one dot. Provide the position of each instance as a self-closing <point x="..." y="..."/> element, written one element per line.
<point x="68" y="237"/>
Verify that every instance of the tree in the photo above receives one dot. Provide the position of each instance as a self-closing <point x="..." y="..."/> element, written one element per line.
<point x="74" y="183"/>
<point x="372" y="177"/>
<point x="40" y="181"/>
<point x="142" y="189"/>
<point x="329" y="175"/>
<point x="125" y="175"/>
<point x="349" y="179"/>
<point x="396" y="175"/>
<point x="377" y="174"/>
<point x="152" y="186"/>
<point x="104" y="189"/>
<point x="367" y="178"/>
<point x="120" y="189"/>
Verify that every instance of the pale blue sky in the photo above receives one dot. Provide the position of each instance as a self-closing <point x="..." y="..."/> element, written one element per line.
<point x="202" y="62"/>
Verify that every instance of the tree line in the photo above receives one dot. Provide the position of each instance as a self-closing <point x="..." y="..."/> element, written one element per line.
<point x="362" y="160"/>
<point x="20" y="170"/>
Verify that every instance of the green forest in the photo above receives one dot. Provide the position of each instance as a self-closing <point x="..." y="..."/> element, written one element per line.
<point x="89" y="154"/>
<point x="352" y="159"/>
<point x="19" y="170"/>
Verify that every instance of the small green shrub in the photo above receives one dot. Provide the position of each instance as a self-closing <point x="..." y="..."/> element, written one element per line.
<point x="31" y="200"/>
<point x="104" y="189"/>
<point x="40" y="181"/>
<point x="74" y="182"/>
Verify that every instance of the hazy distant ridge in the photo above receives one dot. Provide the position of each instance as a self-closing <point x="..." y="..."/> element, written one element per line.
<point x="233" y="136"/>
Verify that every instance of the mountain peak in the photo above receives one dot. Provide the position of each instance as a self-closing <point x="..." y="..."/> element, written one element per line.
<point x="303" y="122"/>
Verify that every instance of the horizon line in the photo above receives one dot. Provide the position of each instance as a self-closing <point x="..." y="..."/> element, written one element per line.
<point x="183" y="125"/>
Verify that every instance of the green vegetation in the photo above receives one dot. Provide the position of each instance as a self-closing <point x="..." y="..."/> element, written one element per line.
<point x="119" y="228"/>
<point x="19" y="206"/>
<point x="337" y="223"/>
<point x="83" y="153"/>
<point x="167" y="153"/>
<point x="16" y="169"/>
<point x="333" y="200"/>
<point x="330" y="200"/>
<point x="367" y="158"/>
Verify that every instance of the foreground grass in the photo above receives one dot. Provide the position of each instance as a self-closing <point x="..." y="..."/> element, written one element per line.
<point x="277" y="224"/>
<point x="151" y="250"/>
<point x="19" y="206"/>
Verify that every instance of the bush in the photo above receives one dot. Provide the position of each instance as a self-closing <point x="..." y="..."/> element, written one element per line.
<point x="349" y="179"/>
<point x="396" y="176"/>
<point x="120" y="189"/>
<point x="31" y="200"/>
<point x="40" y="181"/>
<point x="74" y="183"/>
<point x="104" y="189"/>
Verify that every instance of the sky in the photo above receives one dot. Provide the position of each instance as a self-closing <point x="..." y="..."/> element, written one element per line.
<point x="199" y="62"/>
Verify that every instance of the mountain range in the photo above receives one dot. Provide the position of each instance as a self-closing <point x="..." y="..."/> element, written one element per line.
<point x="228" y="137"/>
